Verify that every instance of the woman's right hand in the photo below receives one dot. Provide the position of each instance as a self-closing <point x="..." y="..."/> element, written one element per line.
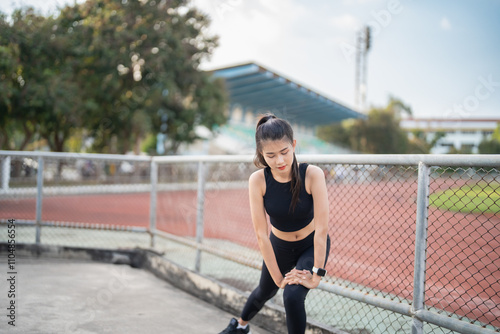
<point x="284" y="282"/>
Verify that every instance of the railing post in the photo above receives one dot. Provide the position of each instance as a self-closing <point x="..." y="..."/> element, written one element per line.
<point x="39" y="198"/>
<point x="420" y="246"/>
<point x="5" y="173"/>
<point x="152" y="201"/>
<point x="199" y="214"/>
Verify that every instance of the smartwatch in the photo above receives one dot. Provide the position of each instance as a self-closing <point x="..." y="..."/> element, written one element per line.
<point x="319" y="271"/>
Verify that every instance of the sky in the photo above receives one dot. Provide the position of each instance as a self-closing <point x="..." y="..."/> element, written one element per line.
<point x="442" y="58"/>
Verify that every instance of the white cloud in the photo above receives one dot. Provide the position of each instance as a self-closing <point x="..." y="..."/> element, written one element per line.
<point x="445" y="24"/>
<point x="258" y="31"/>
<point x="345" y="22"/>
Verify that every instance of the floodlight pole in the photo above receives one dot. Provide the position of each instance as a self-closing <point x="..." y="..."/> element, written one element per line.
<point x="363" y="44"/>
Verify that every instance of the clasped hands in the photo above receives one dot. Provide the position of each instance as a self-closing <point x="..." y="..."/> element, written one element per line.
<point x="303" y="277"/>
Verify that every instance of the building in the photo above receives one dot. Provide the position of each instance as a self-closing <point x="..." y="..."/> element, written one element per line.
<point x="461" y="134"/>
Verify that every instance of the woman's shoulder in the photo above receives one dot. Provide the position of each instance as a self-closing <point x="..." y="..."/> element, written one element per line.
<point x="257" y="180"/>
<point x="314" y="171"/>
<point x="257" y="176"/>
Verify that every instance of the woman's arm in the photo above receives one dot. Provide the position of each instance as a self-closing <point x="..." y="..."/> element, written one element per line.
<point x="317" y="186"/>
<point x="321" y="217"/>
<point x="256" y="187"/>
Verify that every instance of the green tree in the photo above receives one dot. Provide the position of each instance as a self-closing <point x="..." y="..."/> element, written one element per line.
<point x="337" y="133"/>
<point x="140" y="60"/>
<point x="9" y="84"/>
<point x="65" y="106"/>
<point x="22" y="78"/>
<point x="379" y="133"/>
<point x="109" y="69"/>
<point x="41" y="95"/>
<point x="492" y="145"/>
<point x="420" y="144"/>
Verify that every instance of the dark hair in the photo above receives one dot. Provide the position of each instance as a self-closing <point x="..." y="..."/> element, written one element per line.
<point x="269" y="127"/>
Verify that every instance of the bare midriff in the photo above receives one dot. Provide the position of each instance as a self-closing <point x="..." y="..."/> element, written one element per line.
<point x="295" y="235"/>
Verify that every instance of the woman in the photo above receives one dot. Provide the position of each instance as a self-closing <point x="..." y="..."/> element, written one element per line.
<point x="295" y="198"/>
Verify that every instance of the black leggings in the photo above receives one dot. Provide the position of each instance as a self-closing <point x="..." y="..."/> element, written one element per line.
<point x="289" y="254"/>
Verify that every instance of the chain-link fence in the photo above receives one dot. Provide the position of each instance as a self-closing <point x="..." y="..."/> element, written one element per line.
<point x="415" y="239"/>
<point x="463" y="262"/>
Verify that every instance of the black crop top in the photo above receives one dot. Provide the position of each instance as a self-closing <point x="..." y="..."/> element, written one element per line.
<point x="277" y="201"/>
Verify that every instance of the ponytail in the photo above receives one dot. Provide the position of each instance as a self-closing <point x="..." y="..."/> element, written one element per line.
<point x="295" y="185"/>
<point x="269" y="127"/>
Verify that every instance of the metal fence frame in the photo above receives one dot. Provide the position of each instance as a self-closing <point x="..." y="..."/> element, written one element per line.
<point x="424" y="162"/>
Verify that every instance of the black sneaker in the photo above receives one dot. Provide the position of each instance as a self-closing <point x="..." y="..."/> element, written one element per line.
<point x="231" y="328"/>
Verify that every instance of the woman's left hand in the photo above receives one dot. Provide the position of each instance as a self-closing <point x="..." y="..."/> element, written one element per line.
<point x="303" y="277"/>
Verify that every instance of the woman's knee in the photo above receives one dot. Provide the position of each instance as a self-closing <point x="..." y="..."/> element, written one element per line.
<point x="294" y="295"/>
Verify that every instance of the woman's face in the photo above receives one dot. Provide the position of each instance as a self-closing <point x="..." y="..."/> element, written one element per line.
<point x="279" y="155"/>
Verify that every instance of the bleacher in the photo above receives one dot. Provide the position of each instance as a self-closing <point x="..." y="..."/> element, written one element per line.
<point x="238" y="138"/>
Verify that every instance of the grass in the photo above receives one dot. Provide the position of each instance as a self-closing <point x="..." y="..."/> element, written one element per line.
<point x="478" y="198"/>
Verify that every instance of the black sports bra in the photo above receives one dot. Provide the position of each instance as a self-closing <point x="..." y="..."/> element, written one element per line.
<point x="277" y="201"/>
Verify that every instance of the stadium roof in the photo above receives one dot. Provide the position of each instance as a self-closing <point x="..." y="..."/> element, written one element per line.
<point x="251" y="85"/>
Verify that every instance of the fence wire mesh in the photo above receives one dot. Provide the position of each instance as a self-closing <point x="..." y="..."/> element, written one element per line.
<point x="176" y="209"/>
<point x="372" y="218"/>
<point x="83" y="200"/>
<point x="463" y="255"/>
<point x="227" y="210"/>
<point x="107" y="203"/>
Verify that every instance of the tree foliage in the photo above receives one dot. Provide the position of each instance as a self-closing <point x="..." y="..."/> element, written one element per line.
<point x="379" y="133"/>
<point x="421" y="144"/>
<point x="23" y="78"/>
<point x="491" y="145"/>
<point x="113" y="70"/>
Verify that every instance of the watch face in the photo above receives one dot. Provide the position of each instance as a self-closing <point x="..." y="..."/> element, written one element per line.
<point x="319" y="271"/>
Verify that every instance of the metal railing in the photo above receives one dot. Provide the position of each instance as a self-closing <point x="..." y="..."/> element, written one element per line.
<point x="415" y="238"/>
